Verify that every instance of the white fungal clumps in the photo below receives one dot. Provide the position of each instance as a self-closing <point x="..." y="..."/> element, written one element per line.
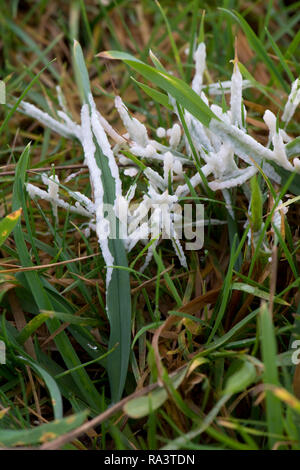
<point x="174" y="135"/>
<point x="278" y="216"/>
<point x="105" y="147"/>
<point x="137" y="131"/>
<point x="53" y="187"/>
<point x="277" y="140"/>
<point x="224" y="87"/>
<point x="160" y="132"/>
<point x="236" y="96"/>
<point x="47" y="120"/>
<point x="102" y="224"/>
<point x="200" y="65"/>
<point x="34" y="191"/>
<point x="292" y="102"/>
<point x="131" y="171"/>
<point x="228" y="157"/>
<point x="168" y="167"/>
<point x="84" y="201"/>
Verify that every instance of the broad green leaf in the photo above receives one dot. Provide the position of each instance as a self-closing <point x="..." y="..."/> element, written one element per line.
<point x="257" y="292"/>
<point x="41" y="434"/>
<point x="143" y="406"/>
<point x="242" y="373"/>
<point x="8" y="224"/>
<point x="52" y="386"/>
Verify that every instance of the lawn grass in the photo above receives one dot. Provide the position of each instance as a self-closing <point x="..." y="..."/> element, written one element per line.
<point x="208" y="348"/>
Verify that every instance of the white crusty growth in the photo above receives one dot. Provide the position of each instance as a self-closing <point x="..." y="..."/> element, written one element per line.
<point x="292" y="102"/>
<point x="137" y="131"/>
<point x="102" y="225"/>
<point x="34" y="191"/>
<point x="48" y="121"/>
<point x="105" y="147"/>
<point x="228" y="158"/>
<point x="236" y="95"/>
<point x="277" y="140"/>
<point x="52" y="182"/>
<point x="200" y="65"/>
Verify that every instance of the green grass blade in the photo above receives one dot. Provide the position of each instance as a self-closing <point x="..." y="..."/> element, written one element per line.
<point x="40" y="294"/>
<point x="280" y="57"/>
<point x="258" y="47"/>
<point x="23" y="36"/>
<point x="15" y="106"/>
<point x="255" y="291"/>
<point x="227" y="286"/>
<point x="268" y="349"/>
<point x="173" y="44"/>
<point x="161" y="98"/>
<point x="256" y="204"/>
<point x="293" y="147"/>
<point x="177" y="88"/>
<point x="52" y="386"/>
